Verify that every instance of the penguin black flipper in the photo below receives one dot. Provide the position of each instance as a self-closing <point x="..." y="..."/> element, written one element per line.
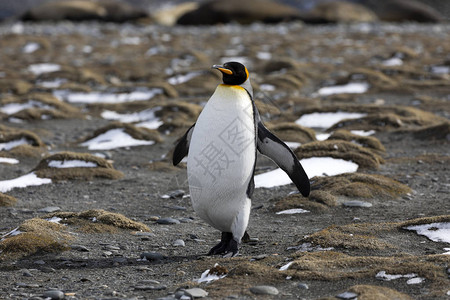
<point x="274" y="148"/>
<point x="182" y="147"/>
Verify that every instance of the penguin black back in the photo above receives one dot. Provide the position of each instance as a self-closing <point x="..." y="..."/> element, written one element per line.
<point x="234" y="73"/>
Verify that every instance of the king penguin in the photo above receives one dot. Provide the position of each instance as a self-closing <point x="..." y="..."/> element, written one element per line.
<point x="221" y="148"/>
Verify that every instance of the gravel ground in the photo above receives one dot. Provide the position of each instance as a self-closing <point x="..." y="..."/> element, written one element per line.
<point x="110" y="265"/>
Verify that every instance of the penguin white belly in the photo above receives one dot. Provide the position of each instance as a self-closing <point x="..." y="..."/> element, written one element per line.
<point x="221" y="159"/>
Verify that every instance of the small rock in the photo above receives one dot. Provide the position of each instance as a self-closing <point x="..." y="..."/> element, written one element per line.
<point x="152" y="256"/>
<point x="111" y="247"/>
<point x="173" y="194"/>
<point x="264" y="290"/>
<point x="39" y="262"/>
<point x="196" y="293"/>
<point x="150" y="287"/>
<point x="26" y="273"/>
<point x="260" y="257"/>
<point x="49" y="209"/>
<point x="167" y="221"/>
<point x="302" y="286"/>
<point x="54" y="294"/>
<point x="347" y="296"/>
<point x="80" y="248"/>
<point x="357" y="203"/>
<point x="175" y="207"/>
<point x="179" y="243"/>
<point x="120" y="260"/>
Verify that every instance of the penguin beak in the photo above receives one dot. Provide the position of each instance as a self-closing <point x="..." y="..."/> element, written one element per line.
<point x="223" y="69"/>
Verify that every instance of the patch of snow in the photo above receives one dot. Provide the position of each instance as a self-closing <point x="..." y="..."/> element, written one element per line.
<point x="326" y="119"/>
<point x="31" y="47"/>
<point x="437" y="232"/>
<point x="131" y="40"/>
<point x="12" y="108"/>
<point x="322" y="136"/>
<point x="147" y="117"/>
<point x="52" y="84"/>
<point x="391" y="62"/>
<point x="71" y="164"/>
<point x="23" y="181"/>
<point x="415" y="280"/>
<point x="13" y="232"/>
<point x="264" y="55"/>
<point x="38" y="69"/>
<point x="440" y="69"/>
<point x="207" y="277"/>
<point x="286" y="266"/>
<point x="363" y="132"/>
<point x="54" y="219"/>
<point x="349" y="88"/>
<point x="96" y="97"/>
<point x="293" y="145"/>
<point x="112" y="139"/>
<point x="9" y="145"/>
<point x="267" y="87"/>
<point x="448" y="251"/>
<point x="179" y="79"/>
<point x="314" y="166"/>
<point x="7" y="160"/>
<point x="382" y="275"/>
<point x="292" y="211"/>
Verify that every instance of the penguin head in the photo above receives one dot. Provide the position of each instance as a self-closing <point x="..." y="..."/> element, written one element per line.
<point x="234" y="73"/>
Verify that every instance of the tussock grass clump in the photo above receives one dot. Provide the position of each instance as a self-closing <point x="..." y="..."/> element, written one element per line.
<point x="292" y="132"/>
<point x="37" y="236"/>
<point x="102" y="169"/>
<point x="33" y="146"/>
<point x="366" y="141"/>
<point x="340" y="149"/>
<point x="98" y="221"/>
<point x="375" y="292"/>
<point x="359" y="185"/>
<point x="317" y="201"/>
<point x="7" y="200"/>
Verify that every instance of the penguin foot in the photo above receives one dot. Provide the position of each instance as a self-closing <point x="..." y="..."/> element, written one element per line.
<point x="227" y="247"/>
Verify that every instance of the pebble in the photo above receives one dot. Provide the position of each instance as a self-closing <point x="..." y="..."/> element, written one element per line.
<point x="357" y="203"/>
<point x="54" y="294"/>
<point x="303" y="286"/>
<point x="167" y="221"/>
<point x="347" y="296"/>
<point x="49" y="209"/>
<point x="175" y="207"/>
<point x="152" y="256"/>
<point x="39" y="262"/>
<point x="264" y="290"/>
<point x="196" y="293"/>
<point x="80" y="248"/>
<point x="179" y="243"/>
<point x="26" y="273"/>
<point x="150" y="287"/>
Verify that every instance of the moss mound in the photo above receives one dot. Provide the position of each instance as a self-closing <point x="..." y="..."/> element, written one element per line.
<point x="317" y="201"/>
<point x="358" y="185"/>
<point x="37" y="236"/>
<point x="138" y="133"/>
<point x="292" y="132"/>
<point x="434" y="132"/>
<point x="365" y="141"/>
<point x="331" y="266"/>
<point x="340" y="149"/>
<point x="6" y="200"/>
<point x="380" y="118"/>
<point x="98" y="221"/>
<point x="178" y="114"/>
<point x="44" y="106"/>
<point x="32" y="145"/>
<point x="375" y="292"/>
<point x="338" y="237"/>
<point x="100" y="168"/>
